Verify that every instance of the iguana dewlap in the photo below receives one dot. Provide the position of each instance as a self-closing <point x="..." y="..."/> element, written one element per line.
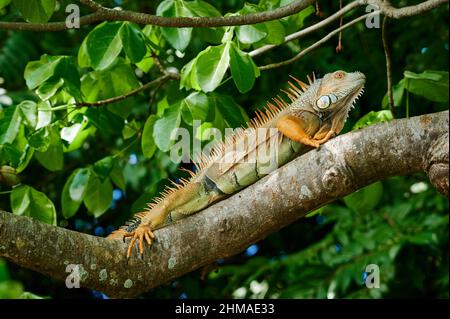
<point x="316" y="113"/>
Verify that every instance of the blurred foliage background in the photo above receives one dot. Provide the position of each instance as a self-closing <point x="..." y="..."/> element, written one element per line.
<point x="89" y="169"/>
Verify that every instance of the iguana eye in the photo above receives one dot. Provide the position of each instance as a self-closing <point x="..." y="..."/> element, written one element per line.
<point x="323" y="102"/>
<point x="339" y="74"/>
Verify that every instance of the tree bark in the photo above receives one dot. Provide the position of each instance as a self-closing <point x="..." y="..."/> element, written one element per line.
<point x="341" y="166"/>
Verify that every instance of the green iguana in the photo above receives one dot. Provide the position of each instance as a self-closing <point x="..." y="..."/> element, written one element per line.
<point x="316" y="113"/>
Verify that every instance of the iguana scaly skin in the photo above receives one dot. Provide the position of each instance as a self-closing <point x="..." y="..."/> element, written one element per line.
<point x="316" y="113"/>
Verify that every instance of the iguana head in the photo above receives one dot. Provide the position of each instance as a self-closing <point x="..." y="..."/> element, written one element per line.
<point x="333" y="96"/>
<point x="338" y="91"/>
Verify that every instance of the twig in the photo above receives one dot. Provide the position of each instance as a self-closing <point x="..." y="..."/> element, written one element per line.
<point x="317" y="44"/>
<point x="166" y="77"/>
<point x="339" y="47"/>
<point x="299" y="34"/>
<point x="387" y="54"/>
<point x="158" y="63"/>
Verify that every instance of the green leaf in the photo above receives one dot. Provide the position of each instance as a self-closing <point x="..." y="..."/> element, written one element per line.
<point x="426" y="238"/>
<point x="78" y="185"/>
<point x="26" y="201"/>
<point x="397" y="92"/>
<point x="103" y="45"/>
<point x="275" y="33"/>
<point x="251" y="33"/>
<point x="49" y="148"/>
<point x="148" y="143"/>
<point x="432" y="85"/>
<point x="69" y="204"/>
<point x="52" y="159"/>
<point x="202" y="132"/>
<point x="105" y="121"/>
<point x="227" y="113"/>
<point x="153" y="38"/>
<point x="28" y="110"/>
<point x="373" y="117"/>
<point x="37" y="72"/>
<point x="4" y="3"/>
<point x="80" y="138"/>
<point x="44" y="114"/>
<point x="365" y="199"/>
<point x="211" y="65"/>
<point x="117" y="176"/>
<point x="179" y="38"/>
<point x="114" y="81"/>
<point x="166" y="126"/>
<point x="49" y="88"/>
<point x="202" y="9"/>
<point x="243" y="69"/>
<point x="53" y="68"/>
<point x="104" y="167"/>
<point x="195" y="107"/>
<point x="295" y="22"/>
<point x="98" y="196"/>
<point x="40" y="139"/>
<point x="10" y="124"/>
<point x="133" y="42"/>
<point x="25" y="158"/>
<point x="36" y="10"/>
<point x="188" y="76"/>
<point x="131" y="129"/>
<point x="9" y="155"/>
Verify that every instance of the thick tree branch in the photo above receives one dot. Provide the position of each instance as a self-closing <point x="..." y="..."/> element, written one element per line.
<point x="339" y="167"/>
<point x="106" y="14"/>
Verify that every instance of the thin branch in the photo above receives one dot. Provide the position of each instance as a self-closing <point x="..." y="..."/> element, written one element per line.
<point x="106" y="14"/>
<point x="339" y="47"/>
<point x="94" y="6"/>
<point x="387" y="54"/>
<point x="158" y="81"/>
<point x="341" y="166"/>
<point x="388" y="10"/>
<point x="317" y="44"/>
<point x="299" y="34"/>
<point x="158" y="62"/>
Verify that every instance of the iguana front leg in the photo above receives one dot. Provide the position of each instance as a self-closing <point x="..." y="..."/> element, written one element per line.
<point x="184" y="201"/>
<point x="295" y="128"/>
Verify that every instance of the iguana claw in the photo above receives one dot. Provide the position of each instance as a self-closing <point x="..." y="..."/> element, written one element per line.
<point x="143" y="232"/>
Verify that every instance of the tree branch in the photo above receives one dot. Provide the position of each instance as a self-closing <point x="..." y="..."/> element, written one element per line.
<point x="397" y="13"/>
<point x="387" y="54"/>
<point x="299" y="34"/>
<point x="167" y="76"/>
<point x="106" y="14"/>
<point x="385" y="9"/>
<point x="316" y="44"/>
<point x="341" y="166"/>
